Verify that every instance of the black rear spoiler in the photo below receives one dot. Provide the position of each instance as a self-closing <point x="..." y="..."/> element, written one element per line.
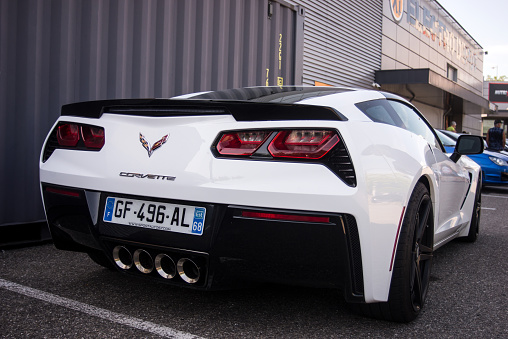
<point x="240" y="110"/>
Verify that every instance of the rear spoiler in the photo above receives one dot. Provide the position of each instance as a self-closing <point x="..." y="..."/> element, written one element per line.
<point x="240" y="110"/>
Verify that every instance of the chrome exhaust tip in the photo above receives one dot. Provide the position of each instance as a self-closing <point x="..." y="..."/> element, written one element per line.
<point x="165" y="266"/>
<point x="143" y="261"/>
<point x="188" y="270"/>
<point x="122" y="257"/>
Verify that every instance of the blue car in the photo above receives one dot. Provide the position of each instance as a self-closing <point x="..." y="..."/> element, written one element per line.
<point x="494" y="164"/>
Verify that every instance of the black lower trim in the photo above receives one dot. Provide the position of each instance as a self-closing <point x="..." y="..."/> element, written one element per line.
<point x="69" y="220"/>
<point x="233" y="248"/>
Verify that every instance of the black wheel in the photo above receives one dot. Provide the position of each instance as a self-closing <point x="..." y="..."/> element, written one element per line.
<point x="413" y="261"/>
<point x="474" y="227"/>
<point x="100" y="258"/>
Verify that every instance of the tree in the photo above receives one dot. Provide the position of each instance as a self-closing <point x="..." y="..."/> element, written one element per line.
<point x="496" y="78"/>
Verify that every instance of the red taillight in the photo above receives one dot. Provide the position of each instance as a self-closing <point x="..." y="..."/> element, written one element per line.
<point x="62" y="192"/>
<point x="93" y="136"/>
<point x="304" y="144"/>
<point x="241" y="143"/>
<point x="68" y="135"/>
<point x="285" y="217"/>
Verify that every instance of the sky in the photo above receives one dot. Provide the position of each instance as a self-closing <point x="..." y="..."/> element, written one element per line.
<point x="487" y="22"/>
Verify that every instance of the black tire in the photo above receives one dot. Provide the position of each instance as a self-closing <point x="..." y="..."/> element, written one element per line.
<point x="474" y="228"/>
<point x="413" y="262"/>
<point x="101" y="259"/>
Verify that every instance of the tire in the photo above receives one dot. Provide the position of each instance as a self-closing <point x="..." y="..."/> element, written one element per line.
<point x="101" y="259"/>
<point x="474" y="227"/>
<point x="412" y="266"/>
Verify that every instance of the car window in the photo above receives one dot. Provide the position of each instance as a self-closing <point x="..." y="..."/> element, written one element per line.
<point x="451" y="134"/>
<point x="446" y="140"/>
<point x="413" y="121"/>
<point x="380" y="111"/>
<point x="399" y="114"/>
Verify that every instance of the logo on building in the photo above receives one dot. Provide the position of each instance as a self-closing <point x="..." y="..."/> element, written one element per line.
<point x="397" y="8"/>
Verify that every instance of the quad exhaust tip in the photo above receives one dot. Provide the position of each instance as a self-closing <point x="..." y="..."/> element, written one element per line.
<point x="143" y="261"/>
<point x="165" y="266"/>
<point x="122" y="257"/>
<point x="188" y="270"/>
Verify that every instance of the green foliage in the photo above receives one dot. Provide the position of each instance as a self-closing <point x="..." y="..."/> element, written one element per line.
<point x="496" y="78"/>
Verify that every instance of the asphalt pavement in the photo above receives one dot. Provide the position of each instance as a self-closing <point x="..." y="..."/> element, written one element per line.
<point x="47" y="293"/>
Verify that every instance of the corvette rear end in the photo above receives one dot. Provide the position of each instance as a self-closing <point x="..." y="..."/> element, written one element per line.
<point x="184" y="194"/>
<point x="264" y="184"/>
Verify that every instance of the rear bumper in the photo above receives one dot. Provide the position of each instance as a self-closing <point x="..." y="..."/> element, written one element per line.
<point x="232" y="248"/>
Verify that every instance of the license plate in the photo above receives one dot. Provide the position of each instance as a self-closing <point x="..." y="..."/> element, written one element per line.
<point x="155" y="215"/>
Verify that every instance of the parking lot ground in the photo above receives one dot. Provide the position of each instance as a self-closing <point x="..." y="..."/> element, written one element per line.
<point x="47" y="293"/>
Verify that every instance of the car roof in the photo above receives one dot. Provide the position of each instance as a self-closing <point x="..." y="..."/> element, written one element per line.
<point x="339" y="98"/>
<point x="284" y="94"/>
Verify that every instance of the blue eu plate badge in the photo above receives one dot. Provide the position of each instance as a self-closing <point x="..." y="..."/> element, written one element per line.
<point x="199" y="219"/>
<point x="108" y="212"/>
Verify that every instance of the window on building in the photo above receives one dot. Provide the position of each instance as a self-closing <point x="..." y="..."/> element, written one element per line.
<point x="451" y="73"/>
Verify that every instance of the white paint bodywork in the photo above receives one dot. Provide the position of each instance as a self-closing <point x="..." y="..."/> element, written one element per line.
<point x="388" y="161"/>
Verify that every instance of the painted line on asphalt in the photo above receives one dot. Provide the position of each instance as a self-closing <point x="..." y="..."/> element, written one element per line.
<point x="494" y="196"/>
<point x="489" y="208"/>
<point x="118" y="318"/>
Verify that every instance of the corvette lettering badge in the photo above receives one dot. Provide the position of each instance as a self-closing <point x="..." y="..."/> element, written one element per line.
<point x="155" y="146"/>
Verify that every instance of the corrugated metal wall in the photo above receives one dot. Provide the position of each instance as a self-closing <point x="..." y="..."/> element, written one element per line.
<point x="54" y="52"/>
<point x="342" y="43"/>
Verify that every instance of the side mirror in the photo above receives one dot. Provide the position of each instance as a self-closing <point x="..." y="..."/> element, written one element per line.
<point x="467" y="144"/>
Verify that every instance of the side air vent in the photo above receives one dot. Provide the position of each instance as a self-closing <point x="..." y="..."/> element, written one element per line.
<point x="355" y="254"/>
<point x="50" y="147"/>
<point x="339" y="161"/>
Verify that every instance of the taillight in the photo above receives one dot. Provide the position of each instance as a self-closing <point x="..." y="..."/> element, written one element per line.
<point x="314" y="145"/>
<point x="93" y="136"/>
<point x="68" y="135"/>
<point x="74" y="136"/>
<point x="285" y="217"/>
<point x="241" y="143"/>
<point x="63" y="192"/>
<point x="304" y="144"/>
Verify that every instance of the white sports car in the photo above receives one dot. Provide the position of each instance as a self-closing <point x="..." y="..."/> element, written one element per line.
<point x="327" y="187"/>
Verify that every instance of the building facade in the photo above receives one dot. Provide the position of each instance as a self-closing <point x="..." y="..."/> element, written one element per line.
<point x="430" y="58"/>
